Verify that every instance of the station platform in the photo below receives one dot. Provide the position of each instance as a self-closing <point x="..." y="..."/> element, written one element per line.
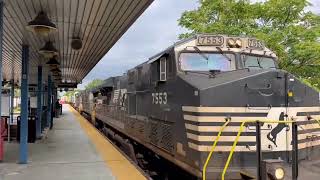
<point x="72" y="150"/>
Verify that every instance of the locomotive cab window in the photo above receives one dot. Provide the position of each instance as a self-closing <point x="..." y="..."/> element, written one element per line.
<point x="163" y="69"/>
<point x="159" y="70"/>
<point x="207" y="62"/>
<point x="258" y="62"/>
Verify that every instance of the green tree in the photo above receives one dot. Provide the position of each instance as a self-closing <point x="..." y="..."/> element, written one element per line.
<point x="285" y="26"/>
<point x="94" y="83"/>
<point x="69" y="94"/>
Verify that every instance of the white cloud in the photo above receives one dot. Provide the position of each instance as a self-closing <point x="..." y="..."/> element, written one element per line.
<point x="154" y="31"/>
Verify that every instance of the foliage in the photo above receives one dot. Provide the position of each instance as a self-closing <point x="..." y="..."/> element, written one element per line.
<point x="17" y="92"/>
<point x="286" y="26"/>
<point x="94" y="83"/>
<point x="91" y="85"/>
<point x="69" y="94"/>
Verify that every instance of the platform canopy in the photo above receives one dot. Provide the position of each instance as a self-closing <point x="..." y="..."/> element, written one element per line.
<point x="93" y="25"/>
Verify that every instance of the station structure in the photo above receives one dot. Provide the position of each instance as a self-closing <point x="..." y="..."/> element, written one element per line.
<point x="51" y="45"/>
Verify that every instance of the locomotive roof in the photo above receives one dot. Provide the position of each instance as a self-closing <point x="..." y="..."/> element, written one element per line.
<point x="110" y="82"/>
<point x="192" y="38"/>
<point x="156" y="56"/>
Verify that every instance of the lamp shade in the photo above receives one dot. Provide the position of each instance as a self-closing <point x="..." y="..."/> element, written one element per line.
<point x="42" y="24"/>
<point x="48" y="50"/>
<point x="53" y="61"/>
<point x="56" y="70"/>
<point x="76" y="43"/>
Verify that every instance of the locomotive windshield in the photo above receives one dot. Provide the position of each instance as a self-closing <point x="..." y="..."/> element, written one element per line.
<point x="207" y="62"/>
<point x="258" y="62"/>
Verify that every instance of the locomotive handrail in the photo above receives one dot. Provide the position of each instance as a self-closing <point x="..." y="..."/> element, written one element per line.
<point x="238" y="136"/>
<point x="318" y="121"/>
<point x="212" y="149"/>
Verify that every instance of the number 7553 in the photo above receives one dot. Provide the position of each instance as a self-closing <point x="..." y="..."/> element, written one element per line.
<point x="159" y="98"/>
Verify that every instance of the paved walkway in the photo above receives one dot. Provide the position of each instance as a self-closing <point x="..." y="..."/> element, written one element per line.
<point x="66" y="154"/>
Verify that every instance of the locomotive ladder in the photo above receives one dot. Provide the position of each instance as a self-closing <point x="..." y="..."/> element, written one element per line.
<point x="212" y="148"/>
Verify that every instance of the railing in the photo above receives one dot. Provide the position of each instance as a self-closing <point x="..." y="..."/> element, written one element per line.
<point x="237" y="139"/>
<point x="294" y="153"/>
<point x="212" y="149"/>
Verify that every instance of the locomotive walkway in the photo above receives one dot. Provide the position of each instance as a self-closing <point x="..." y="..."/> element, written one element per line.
<point x="72" y="150"/>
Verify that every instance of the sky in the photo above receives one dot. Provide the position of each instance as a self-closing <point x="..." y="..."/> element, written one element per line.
<point x="156" y="29"/>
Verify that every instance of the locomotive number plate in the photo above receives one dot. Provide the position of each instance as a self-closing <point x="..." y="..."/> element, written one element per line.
<point x="255" y="44"/>
<point x="207" y="40"/>
<point x="159" y="98"/>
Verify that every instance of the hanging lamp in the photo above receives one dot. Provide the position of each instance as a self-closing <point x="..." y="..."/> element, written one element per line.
<point x="42" y="25"/>
<point x="48" y="50"/>
<point x="53" y="62"/>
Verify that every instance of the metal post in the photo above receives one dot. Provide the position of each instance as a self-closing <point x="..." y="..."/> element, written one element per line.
<point x="1" y="42"/>
<point x="24" y="106"/>
<point x="258" y="149"/>
<point x="39" y="103"/>
<point x="52" y="105"/>
<point x="11" y="108"/>
<point x="49" y="102"/>
<point x="294" y="151"/>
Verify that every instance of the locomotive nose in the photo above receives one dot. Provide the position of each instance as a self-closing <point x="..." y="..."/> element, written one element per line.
<point x="259" y="89"/>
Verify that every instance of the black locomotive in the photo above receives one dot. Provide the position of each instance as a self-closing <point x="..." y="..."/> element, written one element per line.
<point x="174" y="105"/>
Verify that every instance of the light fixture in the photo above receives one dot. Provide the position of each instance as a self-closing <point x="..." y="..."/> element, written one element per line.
<point x="76" y="43"/>
<point x="48" y="50"/>
<point x="42" y="24"/>
<point x="231" y="42"/>
<point x="234" y="43"/>
<point x="238" y="43"/>
<point x="273" y="169"/>
<point x="279" y="173"/>
<point x="56" y="70"/>
<point x="56" y="73"/>
<point x="53" y="62"/>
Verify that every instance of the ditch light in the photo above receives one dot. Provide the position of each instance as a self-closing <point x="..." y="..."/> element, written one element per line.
<point x="272" y="169"/>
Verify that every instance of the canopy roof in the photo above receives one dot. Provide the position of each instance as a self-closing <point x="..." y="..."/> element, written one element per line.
<point x="97" y="23"/>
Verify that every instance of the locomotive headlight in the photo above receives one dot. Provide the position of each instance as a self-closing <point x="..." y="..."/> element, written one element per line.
<point x="238" y="43"/>
<point x="231" y="42"/>
<point x="273" y="169"/>
<point x="279" y="173"/>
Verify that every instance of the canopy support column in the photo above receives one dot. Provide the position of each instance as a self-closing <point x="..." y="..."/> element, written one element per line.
<point x="11" y="107"/>
<point x="1" y="42"/>
<point x="49" y="102"/>
<point x="39" y="103"/>
<point x="24" y="106"/>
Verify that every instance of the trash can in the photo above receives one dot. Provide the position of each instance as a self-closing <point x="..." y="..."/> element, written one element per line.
<point x="31" y="128"/>
<point x="3" y="133"/>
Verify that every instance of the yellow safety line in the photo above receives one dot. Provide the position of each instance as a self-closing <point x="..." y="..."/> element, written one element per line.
<point x="237" y="138"/>
<point x="212" y="149"/>
<point x="121" y="168"/>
